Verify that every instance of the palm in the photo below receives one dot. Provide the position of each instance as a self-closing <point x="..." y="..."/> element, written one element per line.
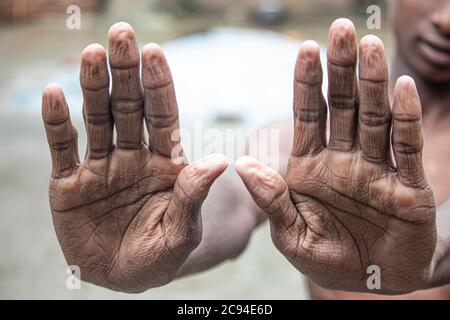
<point x="129" y="215"/>
<point x="113" y="212"/>
<point x="357" y="214"/>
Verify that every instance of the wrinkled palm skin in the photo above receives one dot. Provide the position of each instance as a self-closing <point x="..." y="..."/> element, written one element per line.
<point x="109" y="220"/>
<point x="357" y="214"/>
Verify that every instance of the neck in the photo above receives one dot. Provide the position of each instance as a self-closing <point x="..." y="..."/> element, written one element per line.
<point x="435" y="98"/>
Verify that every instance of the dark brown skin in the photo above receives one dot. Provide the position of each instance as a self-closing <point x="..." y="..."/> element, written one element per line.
<point x="415" y="22"/>
<point x="346" y="205"/>
<point x="128" y="215"/>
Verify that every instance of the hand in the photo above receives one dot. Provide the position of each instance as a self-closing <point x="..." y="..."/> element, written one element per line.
<point x="128" y="215"/>
<point x="346" y="205"/>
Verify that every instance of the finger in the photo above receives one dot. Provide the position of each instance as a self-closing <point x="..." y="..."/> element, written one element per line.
<point x="374" y="114"/>
<point x="341" y="85"/>
<point x="161" y="110"/>
<point x="191" y="188"/>
<point x="310" y="110"/>
<point x="94" y="79"/>
<point x="407" y="139"/>
<point x="126" y="93"/>
<point x="61" y="135"/>
<point x="269" y="190"/>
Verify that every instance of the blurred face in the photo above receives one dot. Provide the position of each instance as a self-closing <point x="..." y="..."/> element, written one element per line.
<point x="422" y="29"/>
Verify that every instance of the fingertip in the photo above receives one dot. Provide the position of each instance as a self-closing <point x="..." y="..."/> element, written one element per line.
<point x="153" y="58"/>
<point x="405" y="83"/>
<point x="207" y="168"/>
<point x="122" y="46"/>
<point x="54" y="106"/>
<point x="215" y="161"/>
<point x="196" y="179"/>
<point x="94" y="71"/>
<point x="155" y="68"/>
<point x="93" y="52"/>
<point x="219" y="159"/>
<point x="152" y="51"/>
<point x="344" y="25"/>
<point x="406" y="97"/>
<point x="342" y="42"/>
<point x="248" y="166"/>
<point x="373" y="62"/>
<point x="371" y="41"/>
<point x="309" y="49"/>
<point x="263" y="182"/>
<point x="51" y="88"/>
<point x="308" y="68"/>
<point x="371" y="47"/>
<point x="120" y="30"/>
<point x="243" y="164"/>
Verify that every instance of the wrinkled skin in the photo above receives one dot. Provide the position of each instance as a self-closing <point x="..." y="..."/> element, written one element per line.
<point x="348" y="204"/>
<point x="128" y="215"/>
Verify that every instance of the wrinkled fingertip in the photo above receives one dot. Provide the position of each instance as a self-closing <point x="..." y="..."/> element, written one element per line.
<point x="248" y="166"/>
<point x="308" y="68"/>
<point x="152" y="51"/>
<point x="310" y="50"/>
<point x="342" y="42"/>
<point x="373" y="63"/>
<point x="120" y="31"/>
<point x="244" y="164"/>
<point x="196" y="179"/>
<point x="263" y="182"/>
<point x="343" y="25"/>
<point x="155" y="68"/>
<point x="123" y="49"/>
<point x="94" y="70"/>
<point x="215" y="161"/>
<point x="93" y="52"/>
<point x="152" y="54"/>
<point x="54" y="106"/>
<point x="406" y="97"/>
<point x="371" y="42"/>
<point x="405" y="83"/>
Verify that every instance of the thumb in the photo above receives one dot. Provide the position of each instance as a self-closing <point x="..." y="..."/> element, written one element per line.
<point x="190" y="190"/>
<point x="269" y="190"/>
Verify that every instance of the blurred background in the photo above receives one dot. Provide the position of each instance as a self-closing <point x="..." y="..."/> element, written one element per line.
<point x="232" y="63"/>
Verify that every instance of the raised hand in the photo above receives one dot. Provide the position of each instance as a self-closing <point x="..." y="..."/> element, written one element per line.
<point x="346" y="205"/>
<point x="128" y="215"/>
